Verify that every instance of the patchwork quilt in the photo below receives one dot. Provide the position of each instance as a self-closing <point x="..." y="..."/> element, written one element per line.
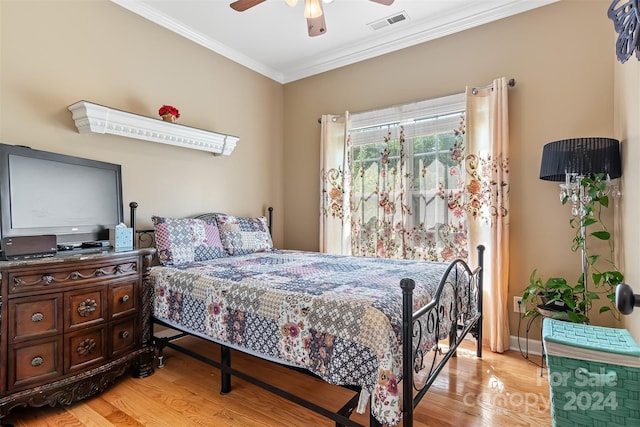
<point x="339" y="317"/>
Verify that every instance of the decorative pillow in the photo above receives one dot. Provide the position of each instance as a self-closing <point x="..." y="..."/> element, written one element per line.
<point x="242" y="236"/>
<point x="184" y="240"/>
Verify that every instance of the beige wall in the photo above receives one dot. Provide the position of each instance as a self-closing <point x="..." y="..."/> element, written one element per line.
<point x="54" y="53"/>
<point x="627" y="129"/>
<point x="561" y="56"/>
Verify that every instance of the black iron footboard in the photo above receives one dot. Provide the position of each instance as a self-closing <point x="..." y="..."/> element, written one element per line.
<point x="456" y="309"/>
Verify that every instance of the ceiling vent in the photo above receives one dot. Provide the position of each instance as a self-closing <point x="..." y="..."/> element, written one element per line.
<point x="389" y="20"/>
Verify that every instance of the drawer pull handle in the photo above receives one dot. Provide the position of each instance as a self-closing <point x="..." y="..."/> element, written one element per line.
<point x="37" y="361"/>
<point x="601" y="379"/>
<point x="125" y="298"/>
<point x="37" y="317"/>
<point x="124" y="335"/>
<point x="87" y="307"/>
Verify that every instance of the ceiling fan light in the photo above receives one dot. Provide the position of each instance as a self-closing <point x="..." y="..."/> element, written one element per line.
<point x="312" y="9"/>
<point x="327" y="1"/>
<point x="291" y="3"/>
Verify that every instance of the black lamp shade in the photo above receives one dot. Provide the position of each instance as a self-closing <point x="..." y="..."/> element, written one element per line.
<point x="581" y="156"/>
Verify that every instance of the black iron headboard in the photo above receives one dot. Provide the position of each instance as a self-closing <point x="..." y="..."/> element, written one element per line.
<point x="146" y="236"/>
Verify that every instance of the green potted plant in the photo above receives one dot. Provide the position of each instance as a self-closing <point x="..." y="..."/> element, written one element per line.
<point x="556" y="297"/>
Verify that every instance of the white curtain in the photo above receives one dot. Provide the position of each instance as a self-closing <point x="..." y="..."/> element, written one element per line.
<point x="487" y="193"/>
<point x="335" y="186"/>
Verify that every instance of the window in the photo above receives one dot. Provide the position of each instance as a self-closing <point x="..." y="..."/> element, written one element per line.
<point x="406" y="174"/>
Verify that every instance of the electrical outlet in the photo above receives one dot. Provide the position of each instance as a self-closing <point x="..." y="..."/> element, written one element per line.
<point x="517" y="304"/>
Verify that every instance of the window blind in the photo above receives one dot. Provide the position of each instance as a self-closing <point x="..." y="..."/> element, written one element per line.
<point x="420" y="118"/>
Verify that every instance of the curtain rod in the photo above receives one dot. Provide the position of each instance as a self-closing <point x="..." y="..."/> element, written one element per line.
<point x="474" y="91"/>
<point x="510" y="83"/>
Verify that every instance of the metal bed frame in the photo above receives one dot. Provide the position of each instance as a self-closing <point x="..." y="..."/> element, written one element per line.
<point x="459" y="278"/>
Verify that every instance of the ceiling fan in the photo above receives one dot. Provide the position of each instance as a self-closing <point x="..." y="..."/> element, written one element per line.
<point x="312" y="11"/>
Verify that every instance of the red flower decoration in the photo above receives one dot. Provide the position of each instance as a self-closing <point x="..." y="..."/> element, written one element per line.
<point x="168" y="109"/>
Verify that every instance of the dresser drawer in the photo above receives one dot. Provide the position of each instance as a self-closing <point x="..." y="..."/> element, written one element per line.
<point x="57" y="276"/>
<point x="85" y="308"/>
<point x="123" y="299"/>
<point x="85" y="348"/>
<point x="34" y="362"/>
<point x="123" y="336"/>
<point x="34" y="317"/>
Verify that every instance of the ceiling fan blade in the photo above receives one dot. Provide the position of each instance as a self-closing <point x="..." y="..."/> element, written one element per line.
<point x="316" y="26"/>
<point x="242" y="5"/>
<point x="384" y="2"/>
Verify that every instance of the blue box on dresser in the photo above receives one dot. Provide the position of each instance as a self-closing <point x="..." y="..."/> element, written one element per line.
<point x="121" y="238"/>
<point x="594" y="374"/>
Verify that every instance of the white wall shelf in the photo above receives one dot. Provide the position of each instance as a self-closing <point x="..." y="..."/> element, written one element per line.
<point x="96" y="118"/>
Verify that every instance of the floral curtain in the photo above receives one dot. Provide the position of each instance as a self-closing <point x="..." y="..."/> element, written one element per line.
<point x="376" y="204"/>
<point x="335" y="219"/>
<point x="400" y="189"/>
<point x="487" y="204"/>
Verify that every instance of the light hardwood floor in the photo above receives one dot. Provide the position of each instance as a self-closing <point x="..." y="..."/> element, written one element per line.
<point x="497" y="390"/>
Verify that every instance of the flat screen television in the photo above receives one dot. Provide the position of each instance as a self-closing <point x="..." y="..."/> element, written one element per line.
<point x="75" y="199"/>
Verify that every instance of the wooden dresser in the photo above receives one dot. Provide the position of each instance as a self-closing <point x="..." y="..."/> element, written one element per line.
<point x="71" y="325"/>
